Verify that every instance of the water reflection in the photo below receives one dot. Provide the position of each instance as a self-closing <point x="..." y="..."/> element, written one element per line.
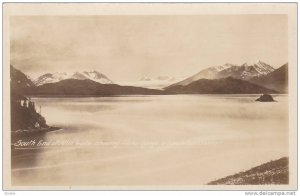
<point x="139" y="139"/>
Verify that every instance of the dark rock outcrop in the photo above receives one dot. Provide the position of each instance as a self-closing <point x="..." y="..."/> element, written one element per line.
<point x="24" y="115"/>
<point x="23" y="112"/>
<point x="265" y="98"/>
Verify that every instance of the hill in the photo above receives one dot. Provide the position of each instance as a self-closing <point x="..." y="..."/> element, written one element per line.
<point x="74" y="87"/>
<point x="273" y="172"/>
<point x="19" y="81"/>
<point x="219" y="86"/>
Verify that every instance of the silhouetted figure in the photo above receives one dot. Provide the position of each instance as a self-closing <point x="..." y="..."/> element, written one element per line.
<point x="31" y="105"/>
<point x="26" y="103"/>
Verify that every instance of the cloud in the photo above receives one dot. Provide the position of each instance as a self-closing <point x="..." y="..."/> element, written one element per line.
<point x="128" y="47"/>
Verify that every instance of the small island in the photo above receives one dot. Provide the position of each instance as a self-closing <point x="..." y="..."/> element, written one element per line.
<point x="265" y="98"/>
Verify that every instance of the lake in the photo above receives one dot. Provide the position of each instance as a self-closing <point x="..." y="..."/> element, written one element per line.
<point x="152" y="140"/>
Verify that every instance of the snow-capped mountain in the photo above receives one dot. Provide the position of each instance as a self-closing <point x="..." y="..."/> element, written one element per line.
<point x="158" y="82"/>
<point x="59" y="76"/>
<point x="244" y="72"/>
<point x="158" y="78"/>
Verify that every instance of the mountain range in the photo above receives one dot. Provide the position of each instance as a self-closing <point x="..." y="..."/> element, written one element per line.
<point x="75" y="87"/>
<point x="59" y="76"/>
<point x="158" y="82"/>
<point x="244" y="72"/>
<point x="22" y="84"/>
<point x="227" y="85"/>
<point x="227" y="79"/>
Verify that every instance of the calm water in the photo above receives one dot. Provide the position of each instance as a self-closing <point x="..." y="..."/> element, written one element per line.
<point x="153" y="140"/>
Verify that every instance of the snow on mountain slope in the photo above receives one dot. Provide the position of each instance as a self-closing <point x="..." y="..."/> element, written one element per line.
<point x="59" y="76"/>
<point x="263" y="68"/>
<point x="244" y="72"/>
<point x="209" y="73"/>
<point x="158" y="82"/>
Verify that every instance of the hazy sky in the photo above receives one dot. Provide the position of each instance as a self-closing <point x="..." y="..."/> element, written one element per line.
<point x="126" y="48"/>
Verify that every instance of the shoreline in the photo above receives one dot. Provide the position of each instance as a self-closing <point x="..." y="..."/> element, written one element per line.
<point x="31" y="132"/>
<point x="138" y="95"/>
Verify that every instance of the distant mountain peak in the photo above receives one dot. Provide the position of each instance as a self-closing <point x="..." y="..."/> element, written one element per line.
<point x="245" y="71"/>
<point x="245" y="65"/>
<point x="157" y="78"/>
<point x="59" y="76"/>
<point x="157" y="82"/>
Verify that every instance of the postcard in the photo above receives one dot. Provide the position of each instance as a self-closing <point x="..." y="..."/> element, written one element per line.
<point x="150" y="96"/>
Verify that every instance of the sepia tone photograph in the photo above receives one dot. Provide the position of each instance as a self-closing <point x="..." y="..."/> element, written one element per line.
<point x="155" y="96"/>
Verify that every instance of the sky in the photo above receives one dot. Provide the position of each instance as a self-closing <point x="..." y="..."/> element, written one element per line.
<point x="126" y="48"/>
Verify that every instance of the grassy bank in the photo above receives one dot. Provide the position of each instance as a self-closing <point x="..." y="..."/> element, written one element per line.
<point x="273" y="172"/>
